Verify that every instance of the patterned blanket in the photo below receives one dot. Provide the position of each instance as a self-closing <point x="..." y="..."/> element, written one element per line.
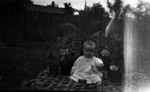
<point x="44" y="81"/>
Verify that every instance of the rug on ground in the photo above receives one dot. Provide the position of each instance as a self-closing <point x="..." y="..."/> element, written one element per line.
<point x="44" y="81"/>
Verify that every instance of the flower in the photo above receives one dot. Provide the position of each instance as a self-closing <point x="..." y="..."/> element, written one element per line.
<point x="64" y="52"/>
<point x="105" y="52"/>
<point x="113" y="68"/>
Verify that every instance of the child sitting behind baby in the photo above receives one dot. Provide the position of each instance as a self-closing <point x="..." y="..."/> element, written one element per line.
<point x="87" y="67"/>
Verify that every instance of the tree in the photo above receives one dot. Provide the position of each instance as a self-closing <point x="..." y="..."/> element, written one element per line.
<point x="141" y="12"/>
<point x="52" y="4"/>
<point x="68" y="8"/>
<point x="93" y="19"/>
<point x="116" y="24"/>
<point x="114" y="7"/>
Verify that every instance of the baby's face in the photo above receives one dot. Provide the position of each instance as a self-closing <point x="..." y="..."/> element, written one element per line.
<point x="88" y="52"/>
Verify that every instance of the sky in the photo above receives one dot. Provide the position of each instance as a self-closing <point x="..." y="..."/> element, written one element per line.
<point x="79" y="4"/>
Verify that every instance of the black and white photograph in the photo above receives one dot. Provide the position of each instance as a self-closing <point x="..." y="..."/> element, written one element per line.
<point x="75" y="45"/>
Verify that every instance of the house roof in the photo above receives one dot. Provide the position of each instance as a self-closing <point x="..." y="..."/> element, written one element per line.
<point x="46" y="9"/>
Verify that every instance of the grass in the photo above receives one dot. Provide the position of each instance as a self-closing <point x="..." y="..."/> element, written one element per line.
<point x="23" y="61"/>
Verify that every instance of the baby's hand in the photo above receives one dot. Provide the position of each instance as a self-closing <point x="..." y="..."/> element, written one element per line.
<point x="99" y="65"/>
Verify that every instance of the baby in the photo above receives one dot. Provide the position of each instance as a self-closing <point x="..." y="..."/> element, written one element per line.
<point x="87" y="67"/>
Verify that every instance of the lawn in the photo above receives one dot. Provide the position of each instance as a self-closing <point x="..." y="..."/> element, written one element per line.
<point x="22" y="62"/>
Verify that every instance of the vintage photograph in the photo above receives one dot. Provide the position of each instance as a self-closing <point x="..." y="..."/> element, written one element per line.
<point x="75" y="45"/>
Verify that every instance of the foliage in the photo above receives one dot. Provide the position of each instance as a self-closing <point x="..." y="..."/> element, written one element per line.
<point x="52" y="4"/>
<point x="93" y="19"/>
<point x="91" y="25"/>
<point x="71" y="44"/>
<point x="68" y="8"/>
<point x="141" y="12"/>
<point x="115" y="6"/>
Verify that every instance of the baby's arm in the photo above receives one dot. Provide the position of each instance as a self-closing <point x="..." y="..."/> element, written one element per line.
<point x="98" y="64"/>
